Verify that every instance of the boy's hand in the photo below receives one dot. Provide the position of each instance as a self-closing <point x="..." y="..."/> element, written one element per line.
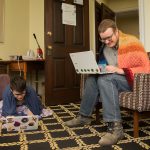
<point x="29" y="113"/>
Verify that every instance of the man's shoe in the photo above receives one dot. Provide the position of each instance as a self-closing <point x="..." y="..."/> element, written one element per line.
<point x="114" y="134"/>
<point x="80" y="120"/>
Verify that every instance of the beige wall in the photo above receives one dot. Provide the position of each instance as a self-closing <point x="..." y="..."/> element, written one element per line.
<point x="22" y="19"/>
<point x="16" y="32"/>
<point x="2" y="2"/>
<point x="129" y="23"/>
<point x="36" y="24"/>
<point x="122" y="5"/>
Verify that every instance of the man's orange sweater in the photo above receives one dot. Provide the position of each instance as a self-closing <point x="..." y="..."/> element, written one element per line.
<point x="132" y="57"/>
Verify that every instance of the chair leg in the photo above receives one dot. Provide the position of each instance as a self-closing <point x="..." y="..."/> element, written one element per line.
<point x="136" y="124"/>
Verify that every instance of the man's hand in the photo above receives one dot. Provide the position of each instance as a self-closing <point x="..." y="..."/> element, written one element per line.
<point x="114" y="69"/>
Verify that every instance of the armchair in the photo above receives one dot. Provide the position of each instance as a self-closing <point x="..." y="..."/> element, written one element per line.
<point x="138" y="101"/>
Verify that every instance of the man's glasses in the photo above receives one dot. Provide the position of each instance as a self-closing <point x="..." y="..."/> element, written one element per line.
<point x="109" y="38"/>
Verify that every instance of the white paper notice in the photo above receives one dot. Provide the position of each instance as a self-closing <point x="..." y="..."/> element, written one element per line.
<point x="68" y="14"/>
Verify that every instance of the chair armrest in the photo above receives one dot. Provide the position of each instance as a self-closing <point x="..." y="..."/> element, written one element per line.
<point x="139" y="98"/>
<point x="141" y="91"/>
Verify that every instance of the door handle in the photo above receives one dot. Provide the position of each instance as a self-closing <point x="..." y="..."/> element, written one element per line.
<point x="49" y="33"/>
<point x="49" y="50"/>
<point x="49" y="47"/>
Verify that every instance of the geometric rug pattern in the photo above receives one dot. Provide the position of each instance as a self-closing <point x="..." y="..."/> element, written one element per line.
<point x="52" y="134"/>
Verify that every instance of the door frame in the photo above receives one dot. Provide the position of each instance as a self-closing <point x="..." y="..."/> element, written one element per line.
<point x="141" y="21"/>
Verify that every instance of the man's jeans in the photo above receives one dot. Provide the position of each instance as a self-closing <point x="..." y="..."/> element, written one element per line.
<point x="107" y="87"/>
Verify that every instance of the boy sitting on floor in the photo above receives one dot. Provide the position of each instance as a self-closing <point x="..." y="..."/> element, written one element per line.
<point x="20" y="100"/>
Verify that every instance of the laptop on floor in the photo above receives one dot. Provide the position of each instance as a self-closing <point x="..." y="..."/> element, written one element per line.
<point x="85" y="63"/>
<point x="18" y="123"/>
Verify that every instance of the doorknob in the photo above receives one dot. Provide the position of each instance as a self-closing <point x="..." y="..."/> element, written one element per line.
<point x="49" y="50"/>
<point x="49" y="33"/>
<point x="49" y="47"/>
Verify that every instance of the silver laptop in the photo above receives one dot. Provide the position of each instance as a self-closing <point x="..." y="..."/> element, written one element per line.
<point x="17" y="123"/>
<point x="85" y="63"/>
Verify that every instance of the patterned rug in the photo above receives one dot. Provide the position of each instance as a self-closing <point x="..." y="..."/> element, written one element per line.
<point x="54" y="135"/>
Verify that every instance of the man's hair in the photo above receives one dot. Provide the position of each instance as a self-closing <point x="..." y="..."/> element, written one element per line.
<point x="18" y="84"/>
<point x="105" y="24"/>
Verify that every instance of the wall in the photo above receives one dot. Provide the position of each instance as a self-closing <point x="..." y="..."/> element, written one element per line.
<point x="129" y="22"/>
<point x="119" y="5"/>
<point x="16" y="28"/>
<point x="36" y="24"/>
<point x="22" y="19"/>
<point x="2" y="2"/>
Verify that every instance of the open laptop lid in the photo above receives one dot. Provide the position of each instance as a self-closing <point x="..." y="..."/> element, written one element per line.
<point x="17" y="123"/>
<point x="85" y="63"/>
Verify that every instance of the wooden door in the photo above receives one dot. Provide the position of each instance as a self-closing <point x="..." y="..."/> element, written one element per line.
<point x="62" y="84"/>
<point x="101" y="12"/>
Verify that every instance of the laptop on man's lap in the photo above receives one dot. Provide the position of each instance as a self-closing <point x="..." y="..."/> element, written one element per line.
<point x="85" y="63"/>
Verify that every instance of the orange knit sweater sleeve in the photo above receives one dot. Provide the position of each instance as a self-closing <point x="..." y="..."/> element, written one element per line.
<point x="132" y="57"/>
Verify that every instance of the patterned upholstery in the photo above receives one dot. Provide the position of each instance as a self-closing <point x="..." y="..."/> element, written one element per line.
<point x="139" y="99"/>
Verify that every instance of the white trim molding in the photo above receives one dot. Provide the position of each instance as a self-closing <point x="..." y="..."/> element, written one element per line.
<point x="141" y="21"/>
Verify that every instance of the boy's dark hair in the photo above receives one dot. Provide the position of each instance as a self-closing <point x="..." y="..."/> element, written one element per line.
<point x="105" y="24"/>
<point x="18" y="84"/>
